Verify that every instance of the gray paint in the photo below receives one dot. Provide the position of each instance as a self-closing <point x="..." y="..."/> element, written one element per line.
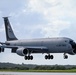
<point x="54" y="45"/>
<point x="9" y="32"/>
<point x="42" y="45"/>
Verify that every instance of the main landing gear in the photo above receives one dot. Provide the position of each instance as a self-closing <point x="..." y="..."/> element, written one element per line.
<point x="28" y="57"/>
<point x="49" y="56"/>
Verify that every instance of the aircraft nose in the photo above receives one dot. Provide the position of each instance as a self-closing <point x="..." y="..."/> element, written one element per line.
<point x="73" y="44"/>
<point x="74" y="47"/>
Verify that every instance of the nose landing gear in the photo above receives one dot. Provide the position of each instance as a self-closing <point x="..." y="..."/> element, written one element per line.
<point x="28" y="55"/>
<point x="65" y="56"/>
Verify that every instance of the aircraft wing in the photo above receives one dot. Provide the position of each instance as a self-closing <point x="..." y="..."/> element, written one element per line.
<point x="33" y="48"/>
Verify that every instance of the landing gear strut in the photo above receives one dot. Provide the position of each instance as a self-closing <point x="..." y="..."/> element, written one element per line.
<point x="65" y="56"/>
<point x="28" y="55"/>
<point x="49" y="56"/>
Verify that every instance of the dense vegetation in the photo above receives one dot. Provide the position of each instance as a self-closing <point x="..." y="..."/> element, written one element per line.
<point x="10" y="66"/>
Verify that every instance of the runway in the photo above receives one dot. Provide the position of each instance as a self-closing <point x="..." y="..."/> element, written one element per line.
<point x="34" y="73"/>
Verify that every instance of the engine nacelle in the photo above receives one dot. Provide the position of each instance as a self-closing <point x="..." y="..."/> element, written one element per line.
<point x="73" y="52"/>
<point x="21" y="51"/>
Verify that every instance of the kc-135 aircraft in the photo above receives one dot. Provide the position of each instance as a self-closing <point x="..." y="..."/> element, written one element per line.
<point x="42" y="45"/>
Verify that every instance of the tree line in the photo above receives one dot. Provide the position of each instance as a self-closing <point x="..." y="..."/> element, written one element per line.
<point x="11" y="66"/>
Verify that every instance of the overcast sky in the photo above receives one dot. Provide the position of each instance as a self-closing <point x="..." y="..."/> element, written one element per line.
<point x="39" y="19"/>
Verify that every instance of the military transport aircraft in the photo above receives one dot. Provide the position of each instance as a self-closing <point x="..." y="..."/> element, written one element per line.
<point x="42" y="45"/>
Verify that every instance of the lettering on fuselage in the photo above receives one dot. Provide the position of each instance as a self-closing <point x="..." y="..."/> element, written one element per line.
<point x="61" y="45"/>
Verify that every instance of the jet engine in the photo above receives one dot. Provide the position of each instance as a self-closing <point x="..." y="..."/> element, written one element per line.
<point x="21" y="51"/>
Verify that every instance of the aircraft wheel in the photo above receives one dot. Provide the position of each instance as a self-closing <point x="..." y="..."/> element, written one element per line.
<point x="65" y="57"/>
<point x="51" y="57"/>
<point x="31" y="57"/>
<point x="25" y="57"/>
<point x="28" y="57"/>
<point x="46" y="57"/>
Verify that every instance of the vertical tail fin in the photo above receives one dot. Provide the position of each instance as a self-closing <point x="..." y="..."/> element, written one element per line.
<point x="9" y="32"/>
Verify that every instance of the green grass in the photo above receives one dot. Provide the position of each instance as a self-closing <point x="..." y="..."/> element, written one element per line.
<point x="68" y="71"/>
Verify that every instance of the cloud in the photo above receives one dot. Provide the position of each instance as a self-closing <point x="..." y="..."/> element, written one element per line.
<point x="53" y="12"/>
<point x="2" y="28"/>
<point x="54" y="28"/>
<point x="52" y="8"/>
<point x="48" y="17"/>
<point x="15" y="6"/>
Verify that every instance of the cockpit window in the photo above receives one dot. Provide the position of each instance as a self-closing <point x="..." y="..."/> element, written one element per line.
<point x="72" y="42"/>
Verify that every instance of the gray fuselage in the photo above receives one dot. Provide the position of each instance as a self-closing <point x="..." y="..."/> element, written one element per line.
<point x="54" y="45"/>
